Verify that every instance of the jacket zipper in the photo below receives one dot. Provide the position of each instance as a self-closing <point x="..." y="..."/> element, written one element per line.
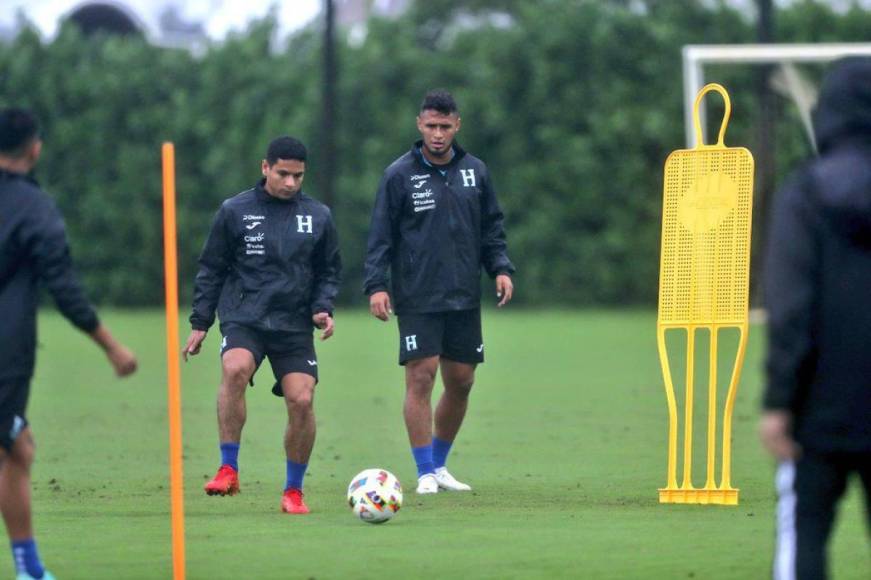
<point x="452" y="217"/>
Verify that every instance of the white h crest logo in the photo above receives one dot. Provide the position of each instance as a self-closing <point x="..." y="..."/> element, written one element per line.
<point x="411" y="342"/>
<point x="304" y="224"/>
<point x="468" y="177"/>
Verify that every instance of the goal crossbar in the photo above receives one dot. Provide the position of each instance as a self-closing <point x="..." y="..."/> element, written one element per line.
<point x="696" y="56"/>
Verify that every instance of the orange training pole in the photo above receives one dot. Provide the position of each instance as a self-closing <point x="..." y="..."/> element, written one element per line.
<point x="172" y="360"/>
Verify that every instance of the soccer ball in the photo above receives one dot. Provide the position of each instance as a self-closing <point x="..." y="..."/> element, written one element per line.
<point x="375" y="495"/>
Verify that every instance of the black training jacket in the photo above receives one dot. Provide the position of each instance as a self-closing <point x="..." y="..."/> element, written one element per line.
<point x="434" y="233"/>
<point x="818" y="276"/>
<point x="268" y="263"/>
<point x="33" y="247"/>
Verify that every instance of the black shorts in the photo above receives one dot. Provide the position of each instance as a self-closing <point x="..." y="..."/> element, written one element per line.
<point x="13" y="403"/>
<point x="288" y="352"/>
<point x="454" y="335"/>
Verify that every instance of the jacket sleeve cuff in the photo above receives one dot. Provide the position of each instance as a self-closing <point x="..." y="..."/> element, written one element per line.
<point x="197" y="325"/>
<point x="501" y="271"/>
<point x="775" y="399"/>
<point x="89" y="324"/>
<point x="376" y="288"/>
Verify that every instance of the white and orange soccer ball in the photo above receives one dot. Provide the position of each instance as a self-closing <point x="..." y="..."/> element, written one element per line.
<point x="375" y="495"/>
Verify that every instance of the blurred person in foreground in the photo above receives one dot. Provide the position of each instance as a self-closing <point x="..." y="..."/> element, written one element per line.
<point x="270" y="267"/>
<point x="33" y="249"/>
<point x="435" y="224"/>
<point x="817" y="402"/>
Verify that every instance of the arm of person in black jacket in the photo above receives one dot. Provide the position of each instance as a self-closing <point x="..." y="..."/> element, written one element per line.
<point x="327" y="267"/>
<point x="45" y="234"/>
<point x="493" y="243"/>
<point x="215" y="260"/>
<point x="379" y="248"/>
<point x="791" y="274"/>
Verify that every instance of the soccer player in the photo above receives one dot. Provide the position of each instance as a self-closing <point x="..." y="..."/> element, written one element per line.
<point x="436" y="222"/>
<point x="817" y="403"/>
<point x="270" y="267"/>
<point x="33" y="249"/>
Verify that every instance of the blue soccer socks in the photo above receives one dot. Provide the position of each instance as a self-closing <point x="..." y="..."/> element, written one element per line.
<point x="423" y="457"/>
<point x="440" y="450"/>
<point x="230" y="455"/>
<point x="26" y="558"/>
<point x="295" y="473"/>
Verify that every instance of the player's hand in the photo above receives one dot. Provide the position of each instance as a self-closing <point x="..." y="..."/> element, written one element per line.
<point x="504" y="289"/>
<point x="195" y="341"/>
<point x="324" y="321"/>
<point x="379" y="306"/>
<point x="123" y="360"/>
<point x="775" y="434"/>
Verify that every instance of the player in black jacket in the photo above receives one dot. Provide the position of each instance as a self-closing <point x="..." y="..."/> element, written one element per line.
<point x="436" y="222"/>
<point x="817" y="418"/>
<point x="33" y="249"/>
<point x="270" y="267"/>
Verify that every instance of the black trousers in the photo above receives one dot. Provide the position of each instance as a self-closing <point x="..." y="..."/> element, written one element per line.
<point x="808" y="494"/>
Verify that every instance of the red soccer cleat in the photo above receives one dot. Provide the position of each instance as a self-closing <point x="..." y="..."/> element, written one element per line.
<point x="292" y="502"/>
<point x="225" y="482"/>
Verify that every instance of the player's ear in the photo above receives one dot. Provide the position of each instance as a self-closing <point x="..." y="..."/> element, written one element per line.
<point x="35" y="150"/>
<point x="459" y="122"/>
<point x="264" y="167"/>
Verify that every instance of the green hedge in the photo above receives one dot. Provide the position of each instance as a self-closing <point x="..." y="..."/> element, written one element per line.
<point x="574" y="106"/>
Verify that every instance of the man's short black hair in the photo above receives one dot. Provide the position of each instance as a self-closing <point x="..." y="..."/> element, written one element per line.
<point x="285" y="148"/>
<point x="439" y="100"/>
<point x="18" y="127"/>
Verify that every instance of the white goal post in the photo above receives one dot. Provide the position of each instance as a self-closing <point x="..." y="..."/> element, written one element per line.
<point x="696" y="56"/>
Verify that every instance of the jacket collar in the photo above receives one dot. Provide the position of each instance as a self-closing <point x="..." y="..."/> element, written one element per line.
<point x="416" y="151"/>
<point x="263" y="195"/>
<point x="4" y="174"/>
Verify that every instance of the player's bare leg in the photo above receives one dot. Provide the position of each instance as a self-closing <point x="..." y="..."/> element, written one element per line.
<point x="419" y="380"/>
<point x="237" y="368"/>
<point x="15" y="505"/>
<point x="15" y="486"/>
<point x="458" y="379"/>
<point x="299" y="437"/>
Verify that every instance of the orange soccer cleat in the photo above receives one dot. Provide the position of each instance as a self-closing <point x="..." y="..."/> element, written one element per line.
<point x="225" y="482"/>
<point x="292" y="502"/>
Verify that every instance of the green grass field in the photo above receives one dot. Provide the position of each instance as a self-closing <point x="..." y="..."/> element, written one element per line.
<point x="564" y="444"/>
